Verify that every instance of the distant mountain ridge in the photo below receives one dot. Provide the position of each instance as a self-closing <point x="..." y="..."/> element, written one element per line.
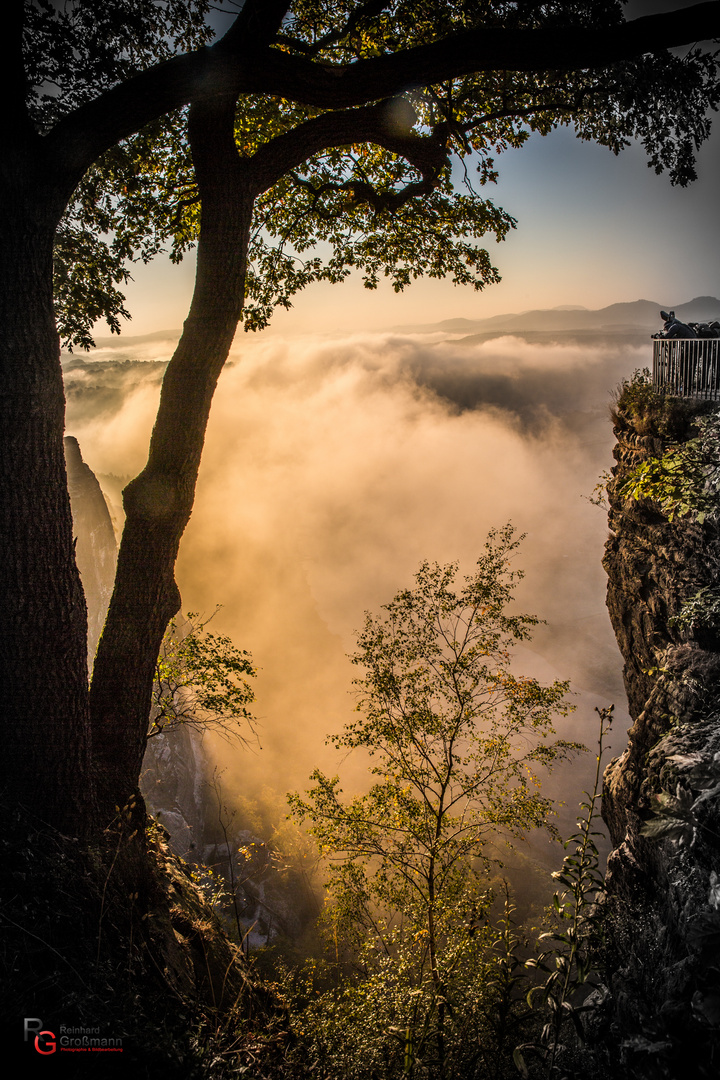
<point x="640" y="316"/>
<point x="637" y="315"/>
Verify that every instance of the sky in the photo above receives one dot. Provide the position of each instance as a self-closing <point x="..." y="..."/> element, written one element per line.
<point x="592" y="229"/>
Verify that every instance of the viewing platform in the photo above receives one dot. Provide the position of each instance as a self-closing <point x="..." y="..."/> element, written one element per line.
<point x="687" y="367"/>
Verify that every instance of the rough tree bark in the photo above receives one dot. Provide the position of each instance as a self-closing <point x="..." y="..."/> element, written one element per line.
<point x="42" y="608"/>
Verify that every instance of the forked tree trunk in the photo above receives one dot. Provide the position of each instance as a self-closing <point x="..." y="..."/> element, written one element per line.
<point x="44" y="737"/>
<point x="158" y="503"/>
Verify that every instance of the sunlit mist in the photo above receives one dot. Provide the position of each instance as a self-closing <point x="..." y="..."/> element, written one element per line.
<point x="333" y="467"/>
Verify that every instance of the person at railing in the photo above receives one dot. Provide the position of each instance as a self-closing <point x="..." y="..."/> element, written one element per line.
<point x="673" y="328"/>
<point x="686" y="358"/>
<point x="708" y="330"/>
<point x="679" y="361"/>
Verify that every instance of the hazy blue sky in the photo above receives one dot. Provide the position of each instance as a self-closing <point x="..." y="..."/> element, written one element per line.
<point x="593" y="229"/>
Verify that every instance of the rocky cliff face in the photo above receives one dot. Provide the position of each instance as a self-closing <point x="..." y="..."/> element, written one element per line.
<point x="95" y="545"/>
<point x="664" y="890"/>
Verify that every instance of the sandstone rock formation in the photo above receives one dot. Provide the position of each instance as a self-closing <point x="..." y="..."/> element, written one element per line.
<point x="95" y="545"/>
<point x="664" y="932"/>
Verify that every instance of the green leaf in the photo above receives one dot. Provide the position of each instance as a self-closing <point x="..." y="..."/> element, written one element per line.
<point x="520" y="1064"/>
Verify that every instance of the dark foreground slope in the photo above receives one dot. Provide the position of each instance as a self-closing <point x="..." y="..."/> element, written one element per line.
<point x="112" y="951"/>
<point x="663" y="888"/>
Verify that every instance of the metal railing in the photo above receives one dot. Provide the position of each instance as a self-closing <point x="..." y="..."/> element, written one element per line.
<point x="687" y="367"/>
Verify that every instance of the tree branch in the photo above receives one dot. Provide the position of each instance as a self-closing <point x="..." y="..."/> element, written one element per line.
<point x="366" y="10"/>
<point x="256" y="26"/>
<point x="488" y="49"/>
<point x="226" y="68"/>
<point x="383" y="124"/>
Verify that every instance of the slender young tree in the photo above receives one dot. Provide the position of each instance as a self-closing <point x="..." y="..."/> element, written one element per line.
<point x="455" y="739"/>
<point x="308" y="121"/>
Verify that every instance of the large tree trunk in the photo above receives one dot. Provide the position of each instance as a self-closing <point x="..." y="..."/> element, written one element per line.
<point x="45" y="730"/>
<point x="158" y="503"/>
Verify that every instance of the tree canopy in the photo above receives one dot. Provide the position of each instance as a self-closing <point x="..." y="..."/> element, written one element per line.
<point x="396" y="191"/>
<point x="201" y="682"/>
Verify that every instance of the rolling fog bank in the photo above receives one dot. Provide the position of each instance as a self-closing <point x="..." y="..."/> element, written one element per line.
<point x="334" y="466"/>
